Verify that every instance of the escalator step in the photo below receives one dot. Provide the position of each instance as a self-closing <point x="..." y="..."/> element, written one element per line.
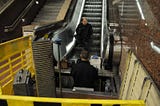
<point x="96" y="30"/>
<point x="95" y="24"/>
<point x="92" y="10"/>
<point x="93" y="19"/>
<point x="93" y="0"/>
<point x="94" y="49"/>
<point x="96" y="36"/>
<point x="93" y="3"/>
<point x="96" y="42"/>
<point x="93" y="6"/>
<point x="92" y="14"/>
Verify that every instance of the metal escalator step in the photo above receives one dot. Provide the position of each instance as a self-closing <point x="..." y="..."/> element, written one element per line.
<point x="95" y="49"/>
<point x="45" y="17"/>
<point x="93" y="3"/>
<point x="128" y="6"/>
<point x="48" y="13"/>
<point x="44" y="21"/>
<point x="93" y="0"/>
<point x="92" y="14"/>
<point x="95" y="24"/>
<point x="133" y="19"/>
<point x="130" y="3"/>
<point x="96" y="36"/>
<point x="54" y="2"/>
<point x="94" y="19"/>
<point x="127" y="11"/>
<point x="130" y="15"/>
<point x="95" y="43"/>
<point x="93" y="6"/>
<point x="96" y="29"/>
<point x="51" y="7"/>
<point x="92" y="10"/>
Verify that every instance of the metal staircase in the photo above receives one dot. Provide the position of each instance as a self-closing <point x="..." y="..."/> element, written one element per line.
<point x="129" y="15"/>
<point x="49" y="12"/>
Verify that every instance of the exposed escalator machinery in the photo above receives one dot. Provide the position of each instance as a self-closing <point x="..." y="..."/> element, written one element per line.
<point x="93" y="12"/>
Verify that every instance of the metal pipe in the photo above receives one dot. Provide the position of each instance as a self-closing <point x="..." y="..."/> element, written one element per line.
<point x="155" y="48"/>
<point x="59" y="67"/>
<point x="58" y="42"/>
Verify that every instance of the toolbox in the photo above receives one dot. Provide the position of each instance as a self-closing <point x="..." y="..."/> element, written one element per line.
<point x="23" y="84"/>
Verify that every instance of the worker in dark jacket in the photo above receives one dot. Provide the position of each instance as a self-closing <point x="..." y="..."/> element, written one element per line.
<point x="84" y="74"/>
<point x="84" y="32"/>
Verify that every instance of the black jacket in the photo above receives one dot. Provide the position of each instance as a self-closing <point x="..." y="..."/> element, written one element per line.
<point x="84" y="31"/>
<point x="84" y="74"/>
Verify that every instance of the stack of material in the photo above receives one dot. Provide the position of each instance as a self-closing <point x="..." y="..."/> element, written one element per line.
<point x="43" y="58"/>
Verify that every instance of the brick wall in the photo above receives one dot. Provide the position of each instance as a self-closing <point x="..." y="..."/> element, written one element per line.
<point x="140" y="43"/>
<point x="154" y="5"/>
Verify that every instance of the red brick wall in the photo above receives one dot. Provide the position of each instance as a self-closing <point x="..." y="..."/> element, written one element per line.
<point x="140" y="44"/>
<point x="154" y="5"/>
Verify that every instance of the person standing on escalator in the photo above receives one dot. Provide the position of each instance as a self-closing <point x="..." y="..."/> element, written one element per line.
<point x="83" y="73"/>
<point x="84" y="32"/>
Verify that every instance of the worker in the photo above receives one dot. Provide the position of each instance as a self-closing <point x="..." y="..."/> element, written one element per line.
<point x="84" y="74"/>
<point x="84" y="32"/>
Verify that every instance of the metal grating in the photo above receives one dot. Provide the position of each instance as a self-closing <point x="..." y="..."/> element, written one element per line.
<point x="43" y="59"/>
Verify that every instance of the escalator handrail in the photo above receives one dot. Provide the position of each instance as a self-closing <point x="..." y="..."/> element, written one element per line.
<point x="74" y="40"/>
<point x="53" y="26"/>
<point x="5" y="5"/>
<point x="69" y="31"/>
<point x="104" y="29"/>
<point x="19" y="19"/>
<point x="47" y="26"/>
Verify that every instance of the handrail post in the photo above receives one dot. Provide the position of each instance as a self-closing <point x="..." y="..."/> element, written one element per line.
<point x="58" y="42"/>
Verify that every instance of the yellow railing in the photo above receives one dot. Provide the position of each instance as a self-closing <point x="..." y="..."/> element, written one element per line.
<point x="35" y="101"/>
<point x="14" y="55"/>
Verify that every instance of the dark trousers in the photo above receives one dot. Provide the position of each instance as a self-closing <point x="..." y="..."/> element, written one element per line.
<point x="82" y="42"/>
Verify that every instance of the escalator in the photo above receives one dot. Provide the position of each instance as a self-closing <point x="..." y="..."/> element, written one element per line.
<point x="93" y="13"/>
<point x="96" y="13"/>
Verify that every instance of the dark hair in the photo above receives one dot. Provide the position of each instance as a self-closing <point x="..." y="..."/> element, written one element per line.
<point x="85" y="53"/>
<point x="82" y="19"/>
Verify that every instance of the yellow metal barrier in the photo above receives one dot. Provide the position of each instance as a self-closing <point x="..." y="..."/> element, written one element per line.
<point x="14" y="55"/>
<point x="37" y="101"/>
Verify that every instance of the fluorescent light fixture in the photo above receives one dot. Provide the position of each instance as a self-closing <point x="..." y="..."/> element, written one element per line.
<point x="23" y="20"/>
<point x="37" y="2"/>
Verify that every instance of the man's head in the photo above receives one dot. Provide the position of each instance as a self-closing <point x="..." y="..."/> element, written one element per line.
<point x="84" y="54"/>
<point x="84" y="21"/>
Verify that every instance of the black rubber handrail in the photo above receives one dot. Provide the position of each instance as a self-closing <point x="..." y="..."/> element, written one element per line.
<point x="48" y="28"/>
<point x="6" y="4"/>
<point x="20" y="17"/>
<point x="105" y="30"/>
